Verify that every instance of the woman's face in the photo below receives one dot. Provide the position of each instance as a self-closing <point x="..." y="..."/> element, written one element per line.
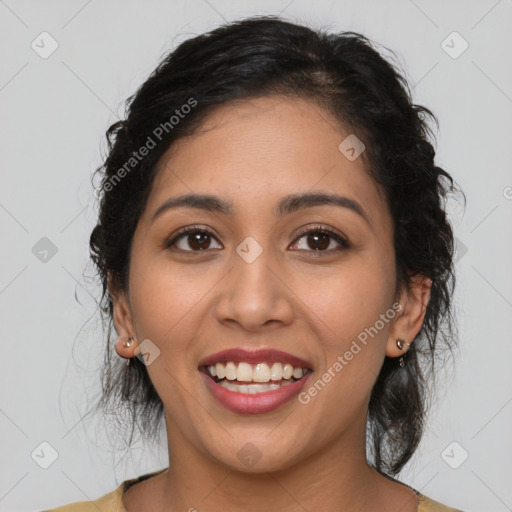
<point x="257" y="280"/>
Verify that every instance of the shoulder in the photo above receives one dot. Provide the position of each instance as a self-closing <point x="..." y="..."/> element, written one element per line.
<point x="111" y="502"/>
<point x="429" y="505"/>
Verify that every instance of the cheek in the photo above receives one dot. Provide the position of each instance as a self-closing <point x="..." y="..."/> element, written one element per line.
<point x="165" y="309"/>
<point x="352" y="316"/>
<point x="350" y="297"/>
<point x="163" y="302"/>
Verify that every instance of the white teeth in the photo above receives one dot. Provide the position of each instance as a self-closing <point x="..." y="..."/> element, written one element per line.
<point x="244" y="372"/>
<point x="231" y="371"/>
<point x="248" y="389"/>
<point x="220" y="370"/>
<point x="276" y="372"/>
<point x="297" y="373"/>
<point x="287" y="371"/>
<point x="260" y="372"/>
<point x="252" y="389"/>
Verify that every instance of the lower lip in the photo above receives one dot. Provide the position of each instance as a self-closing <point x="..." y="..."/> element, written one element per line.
<point x="253" y="404"/>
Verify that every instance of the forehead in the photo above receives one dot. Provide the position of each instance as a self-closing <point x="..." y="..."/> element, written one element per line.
<point x="253" y="152"/>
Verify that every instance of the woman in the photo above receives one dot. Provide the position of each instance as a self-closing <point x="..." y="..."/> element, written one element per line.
<point x="278" y="266"/>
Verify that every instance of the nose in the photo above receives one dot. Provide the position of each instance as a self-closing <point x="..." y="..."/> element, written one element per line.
<point x="254" y="295"/>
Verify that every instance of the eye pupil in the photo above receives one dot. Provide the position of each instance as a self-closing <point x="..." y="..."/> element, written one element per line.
<point x="314" y="238"/>
<point x="197" y="240"/>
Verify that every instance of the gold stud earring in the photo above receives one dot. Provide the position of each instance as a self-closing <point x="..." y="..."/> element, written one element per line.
<point x="128" y="343"/>
<point x="400" y="342"/>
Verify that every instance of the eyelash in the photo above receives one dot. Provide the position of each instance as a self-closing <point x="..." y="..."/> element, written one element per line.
<point x="342" y="241"/>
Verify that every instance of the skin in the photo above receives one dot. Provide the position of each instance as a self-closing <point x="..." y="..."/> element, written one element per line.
<point x="294" y="298"/>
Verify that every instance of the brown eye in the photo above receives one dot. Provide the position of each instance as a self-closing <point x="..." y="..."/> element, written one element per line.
<point x="196" y="239"/>
<point x="318" y="241"/>
<point x="321" y="240"/>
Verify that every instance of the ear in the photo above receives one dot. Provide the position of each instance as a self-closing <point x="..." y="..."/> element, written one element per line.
<point x="407" y="324"/>
<point x="123" y="320"/>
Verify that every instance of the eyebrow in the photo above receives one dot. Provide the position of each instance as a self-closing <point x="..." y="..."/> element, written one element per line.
<point x="287" y="205"/>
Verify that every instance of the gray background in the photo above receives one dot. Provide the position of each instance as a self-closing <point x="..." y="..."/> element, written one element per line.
<point x="54" y="113"/>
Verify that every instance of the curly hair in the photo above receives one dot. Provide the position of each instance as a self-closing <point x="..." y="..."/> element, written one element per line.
<point x="344" y="73"/>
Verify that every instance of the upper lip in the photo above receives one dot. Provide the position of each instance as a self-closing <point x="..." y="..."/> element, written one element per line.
<point x="255" y="356"/>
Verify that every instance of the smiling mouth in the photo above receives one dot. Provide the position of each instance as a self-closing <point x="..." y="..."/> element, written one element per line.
<point x="247" y="378"/>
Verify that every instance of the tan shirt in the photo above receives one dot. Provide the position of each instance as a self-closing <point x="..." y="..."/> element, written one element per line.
<point x="113" y="501"/>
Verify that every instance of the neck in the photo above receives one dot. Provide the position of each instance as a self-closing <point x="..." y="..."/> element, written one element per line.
<point x="334" y="478"/>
